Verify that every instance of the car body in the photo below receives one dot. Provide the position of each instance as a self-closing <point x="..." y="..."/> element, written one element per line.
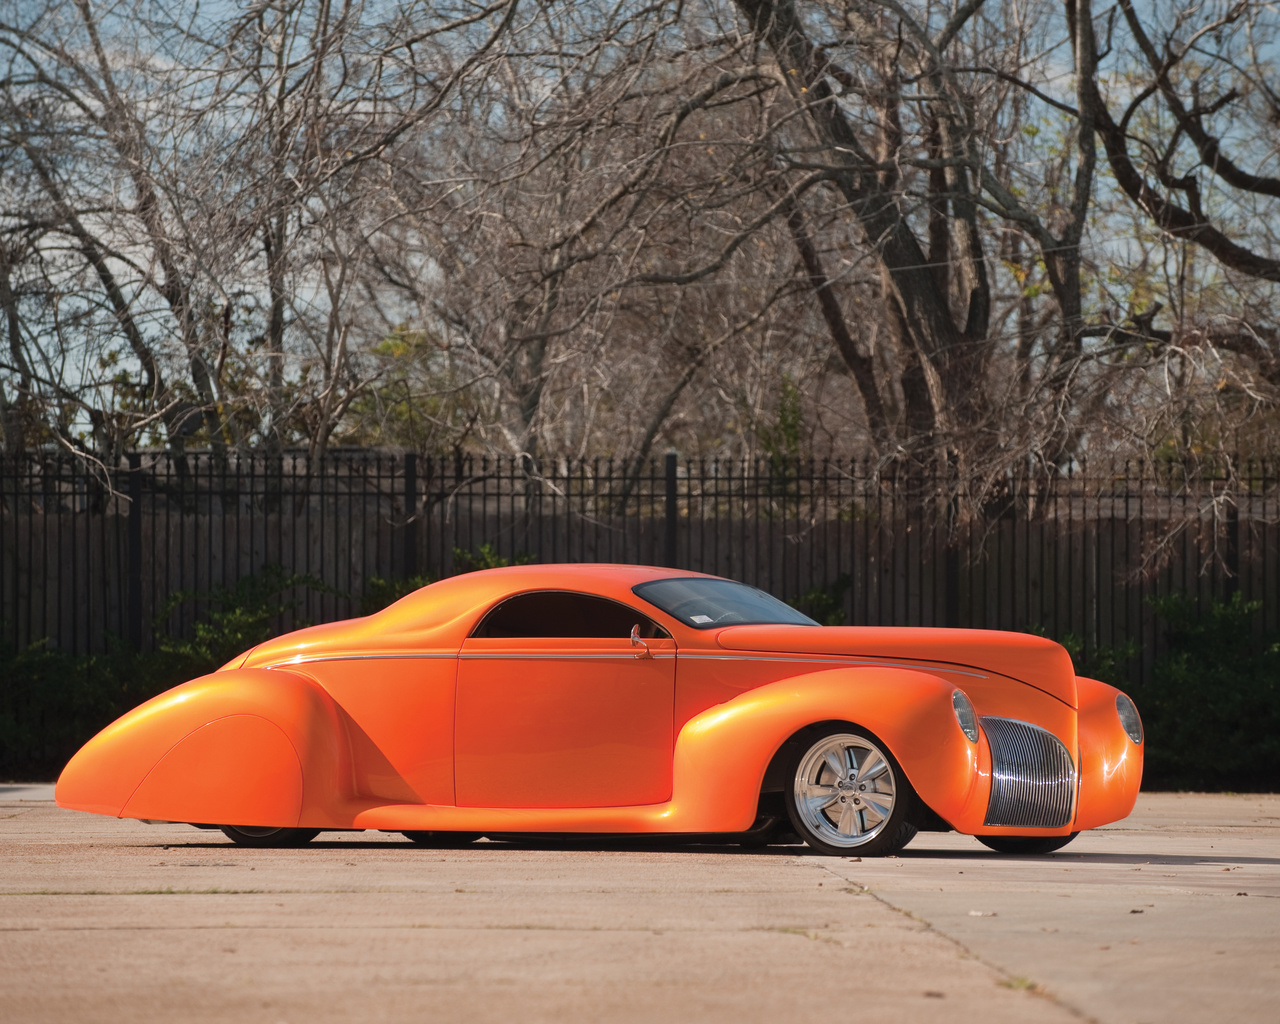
<point x="472" y="706"/>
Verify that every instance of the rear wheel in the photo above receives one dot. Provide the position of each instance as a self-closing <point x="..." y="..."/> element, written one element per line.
<point x="442" y="840"/>
<point x="252" y="835"/>
<point x="847" y="794"/>
<point x="1026" y="844"/>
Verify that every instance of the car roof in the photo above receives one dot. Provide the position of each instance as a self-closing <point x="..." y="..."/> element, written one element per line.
<point x="441" y="614"/>
<point x="469" y="593"/>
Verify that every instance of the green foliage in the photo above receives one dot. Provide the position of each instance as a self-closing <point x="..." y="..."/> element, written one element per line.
<point x="825" y="605"/>
<point x="239" y="616"/>
<point x="781" y="439"/>
<point x="1106" y="664"/>
<point x="420" y="401"/>
<point x="1212" y="707"/>
<point x="485" y="557"/>
<point x="379" y="593"/>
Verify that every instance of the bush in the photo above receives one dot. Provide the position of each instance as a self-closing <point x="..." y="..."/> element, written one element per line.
<point x="485" y="557"/>
<point x="1106" y="664"/>
<point x="1212" y="707"/>
<point x="239" y="617"/>
<point x="379" y="592"/>
<point x="825" y="605"/>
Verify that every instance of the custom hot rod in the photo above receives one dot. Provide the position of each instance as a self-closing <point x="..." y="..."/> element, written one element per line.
<point x="623" y="699"/>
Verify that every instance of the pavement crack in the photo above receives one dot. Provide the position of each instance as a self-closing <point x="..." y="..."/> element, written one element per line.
<point x="1007" y="978"/>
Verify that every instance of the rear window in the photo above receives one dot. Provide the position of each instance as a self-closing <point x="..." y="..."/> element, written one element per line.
<point x="708" y="603"/>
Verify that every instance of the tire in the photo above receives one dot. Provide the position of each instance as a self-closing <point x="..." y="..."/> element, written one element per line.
<point x="874" y="827"/>
<point x="1026" y="844"/>
<point x="442" y="840"/>
<point x="252" y="835"/>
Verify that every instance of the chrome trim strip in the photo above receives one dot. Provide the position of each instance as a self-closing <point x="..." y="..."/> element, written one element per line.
<point x="516" y="656"/>
<point x="834" y="659"/>
<point x="298" y="659"/>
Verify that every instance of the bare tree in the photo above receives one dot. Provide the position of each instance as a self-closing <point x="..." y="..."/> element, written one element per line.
<point x="206" y="195"/>
<point x="590" y="228"/>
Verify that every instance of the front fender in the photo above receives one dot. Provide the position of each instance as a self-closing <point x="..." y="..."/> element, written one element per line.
<point x="244" y="747"/>
<point x="721" y="755"/>
<point x="1110" y="762"/>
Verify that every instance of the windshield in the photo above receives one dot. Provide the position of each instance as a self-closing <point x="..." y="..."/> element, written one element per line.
<point x="706" y="603"/>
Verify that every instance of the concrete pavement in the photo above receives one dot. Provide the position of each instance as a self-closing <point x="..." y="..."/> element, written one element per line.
<point x="1172" y="915"/>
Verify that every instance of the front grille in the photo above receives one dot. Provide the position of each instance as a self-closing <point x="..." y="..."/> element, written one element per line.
<point x="1032" y="777"/>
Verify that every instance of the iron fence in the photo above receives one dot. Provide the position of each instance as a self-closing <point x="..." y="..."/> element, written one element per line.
<point x="88" y="552"/>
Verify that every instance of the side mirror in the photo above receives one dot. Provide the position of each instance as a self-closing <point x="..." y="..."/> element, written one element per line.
<point x="637" y="642"/>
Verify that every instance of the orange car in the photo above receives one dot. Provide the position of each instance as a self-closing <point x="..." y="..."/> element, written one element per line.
<point x="624" y="699"/>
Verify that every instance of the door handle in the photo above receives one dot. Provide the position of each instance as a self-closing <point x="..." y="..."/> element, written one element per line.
<point x="637" y="642"/>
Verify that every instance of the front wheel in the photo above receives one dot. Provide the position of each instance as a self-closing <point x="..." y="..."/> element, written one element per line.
<point x="1026" y="844"/>
<point x="849" y="795"/>
<point x="250" y="835"/>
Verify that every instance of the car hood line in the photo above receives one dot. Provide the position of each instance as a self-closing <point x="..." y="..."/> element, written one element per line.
<point x="836" y="661"/>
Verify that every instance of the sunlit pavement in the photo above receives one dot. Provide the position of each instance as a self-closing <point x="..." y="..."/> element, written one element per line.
<point x="1172" y="915"/>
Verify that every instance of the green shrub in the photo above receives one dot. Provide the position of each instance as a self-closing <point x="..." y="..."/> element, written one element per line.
<point x="379" y="592"/>
<point x="485" y="557"/>
<point x="1106" y="664"/>
<point x="825" y="605"/>
<point x="239" y="617"/>
<point x="1212" y="706"/>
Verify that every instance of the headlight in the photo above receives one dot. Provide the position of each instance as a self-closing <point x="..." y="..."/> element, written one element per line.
<point x="965" y="716"/>
<point x="1129" y="717"/>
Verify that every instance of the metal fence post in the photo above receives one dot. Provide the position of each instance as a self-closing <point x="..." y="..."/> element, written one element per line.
<point x="134" y="611"/>
<point x="1232" y="555"/>
<point x="410" y="510"/>
<point x="671" y="511"/>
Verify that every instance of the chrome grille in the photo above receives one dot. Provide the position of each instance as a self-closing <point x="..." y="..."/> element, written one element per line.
<point x="1032" y="778"/>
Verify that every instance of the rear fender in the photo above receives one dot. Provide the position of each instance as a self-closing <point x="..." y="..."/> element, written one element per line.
<point x="244" y="747"/>
<point x="721" y="755"/>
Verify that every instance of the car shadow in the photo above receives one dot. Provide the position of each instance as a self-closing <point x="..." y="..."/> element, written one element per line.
<point x="586" y="846"/>
<point x="1071" y="856"/>
<point x="720" y="846"/>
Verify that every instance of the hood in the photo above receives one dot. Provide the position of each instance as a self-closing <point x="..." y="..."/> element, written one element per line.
<point x="1029" y="659"/>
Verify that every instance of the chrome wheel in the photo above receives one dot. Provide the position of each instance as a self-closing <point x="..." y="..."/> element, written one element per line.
<point x="849" y="794"/>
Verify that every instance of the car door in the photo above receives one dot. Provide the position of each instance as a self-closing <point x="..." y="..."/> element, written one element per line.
<point x="558" y="707"/>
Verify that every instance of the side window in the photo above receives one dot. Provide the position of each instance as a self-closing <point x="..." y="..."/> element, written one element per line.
<point x="557" y="613"/>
